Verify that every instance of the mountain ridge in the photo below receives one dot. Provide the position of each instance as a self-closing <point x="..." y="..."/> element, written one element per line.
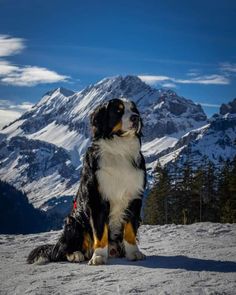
<point x="60" y="123"/>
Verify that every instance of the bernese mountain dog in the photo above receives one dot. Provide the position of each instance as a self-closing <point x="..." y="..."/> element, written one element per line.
<point x="106" y="212"/>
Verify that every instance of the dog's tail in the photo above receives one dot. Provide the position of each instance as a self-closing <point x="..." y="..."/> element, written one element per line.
<point x="47" y="253"/>
<point x="41" y="254"/>
<point x="68" y="242"/>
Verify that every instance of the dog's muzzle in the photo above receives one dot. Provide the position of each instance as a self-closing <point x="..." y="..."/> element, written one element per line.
<point x="135" y="119"/>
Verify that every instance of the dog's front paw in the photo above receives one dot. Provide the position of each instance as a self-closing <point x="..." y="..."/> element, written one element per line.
<point x="136" y="255"/>
<point x="132" y="252"/>
<point x="99" y="257"/>
<point x="97" y="260"/>
<point x="75" y="257"/>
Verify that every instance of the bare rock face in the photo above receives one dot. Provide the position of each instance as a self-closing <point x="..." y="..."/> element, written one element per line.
<point x="228" y="108"/>
<point x="216" y="141"/>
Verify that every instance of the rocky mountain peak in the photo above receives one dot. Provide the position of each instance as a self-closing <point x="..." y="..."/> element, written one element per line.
<point x="60" y="90"/>
<point x="229" y="108"/>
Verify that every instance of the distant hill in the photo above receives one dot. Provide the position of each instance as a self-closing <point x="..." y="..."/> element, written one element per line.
<point x="17" y="216"/>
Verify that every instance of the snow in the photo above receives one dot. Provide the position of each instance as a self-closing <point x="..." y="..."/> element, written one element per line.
<point x="61" y="136"/>
<point x="158" y="144"/>
<point x="7" y="116"/>
<point x="55" y="98"/>
<point x="213" y="141"/>
<point x="168" y="157"/>
<point x="206" y="144"/>
<point x="181" y="259"/>
<point x="41" y="189"/>
<point x="14" y="129"/>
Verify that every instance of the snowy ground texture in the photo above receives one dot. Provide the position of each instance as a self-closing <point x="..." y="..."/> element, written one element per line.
<point x="192" y="259"/>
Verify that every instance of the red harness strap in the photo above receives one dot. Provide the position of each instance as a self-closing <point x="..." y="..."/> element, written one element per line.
<point x="75" y="205"/>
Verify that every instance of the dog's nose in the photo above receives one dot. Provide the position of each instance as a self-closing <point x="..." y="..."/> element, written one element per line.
<point x="134" y="118"/>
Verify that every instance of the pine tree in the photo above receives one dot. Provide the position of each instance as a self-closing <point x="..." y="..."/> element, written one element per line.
<point x="210" y="196"/>
<point x="151" y="207"/>
<point x="156" y="207"/>
<point x="197" y="190"/>
<point x="183" y="195"/>
<point x="223" y="191"/>
<point x="232" y="189"/>
<point x="186" y="190"/>
<point x="227" y="192"/>
<point x="176" y="194"/>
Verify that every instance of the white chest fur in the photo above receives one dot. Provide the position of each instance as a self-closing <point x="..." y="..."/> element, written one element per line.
<point x="119" y="180"/>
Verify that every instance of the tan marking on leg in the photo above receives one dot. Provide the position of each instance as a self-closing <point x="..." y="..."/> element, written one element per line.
<point x="87" y="242"/>
<point x="129" y="234"/>
<point x="132" y="251"/>
<point x="104" y="240"/>
<point x="87" y="246"/>
<point x="100" y="254"/>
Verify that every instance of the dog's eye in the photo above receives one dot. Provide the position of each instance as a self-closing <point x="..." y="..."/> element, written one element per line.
<point x="120" y="108"/>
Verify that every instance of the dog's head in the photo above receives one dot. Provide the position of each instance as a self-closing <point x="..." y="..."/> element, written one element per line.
<point x="116" y="117"/>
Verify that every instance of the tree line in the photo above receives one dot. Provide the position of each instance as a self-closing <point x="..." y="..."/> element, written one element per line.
<point x="184" y="195"/>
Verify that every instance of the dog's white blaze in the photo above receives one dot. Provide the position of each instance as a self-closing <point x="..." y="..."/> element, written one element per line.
<point x="119" y="181"/>
<point x="126" y="123"/>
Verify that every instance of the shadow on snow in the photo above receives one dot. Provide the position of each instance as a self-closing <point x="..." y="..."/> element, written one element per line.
<point x="180" y="262"/>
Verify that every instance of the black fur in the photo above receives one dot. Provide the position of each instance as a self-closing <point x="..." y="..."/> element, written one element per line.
<point x="92" y="211"/>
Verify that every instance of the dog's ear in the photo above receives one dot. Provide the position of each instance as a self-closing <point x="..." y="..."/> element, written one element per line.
<point x="98" y="120"/>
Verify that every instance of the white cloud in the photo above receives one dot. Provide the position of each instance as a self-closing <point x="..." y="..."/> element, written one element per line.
<point x="209" y="105"/>
<point x="152" y="80"/>
<point x="204" y="80"/>
<point x="169" y="85"/>
<point x="193" y="73"/>
<point x="7" y="68"/>
<point x="6" y="104"/>
<point x="228" y="67"/>
<point x="23" y="75"/>
<point x="10" y="45"/>
<point x="10" y="111"/>
<point x="31" y="76"/>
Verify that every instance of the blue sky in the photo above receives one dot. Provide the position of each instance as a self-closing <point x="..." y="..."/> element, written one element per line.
<point x="189" y="46"/>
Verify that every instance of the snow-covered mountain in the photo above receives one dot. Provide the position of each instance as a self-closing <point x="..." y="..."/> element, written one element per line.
<point x="216" y="141"/>
<point x="41" y="152"/>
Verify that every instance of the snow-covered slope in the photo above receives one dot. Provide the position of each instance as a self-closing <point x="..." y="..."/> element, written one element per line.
<point x="41" y="152"/>
<point x="215" y="141"/>
<point x="181" y="259"/>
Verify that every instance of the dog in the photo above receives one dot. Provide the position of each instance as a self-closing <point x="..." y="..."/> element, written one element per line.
<point x="107" y="208"/>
